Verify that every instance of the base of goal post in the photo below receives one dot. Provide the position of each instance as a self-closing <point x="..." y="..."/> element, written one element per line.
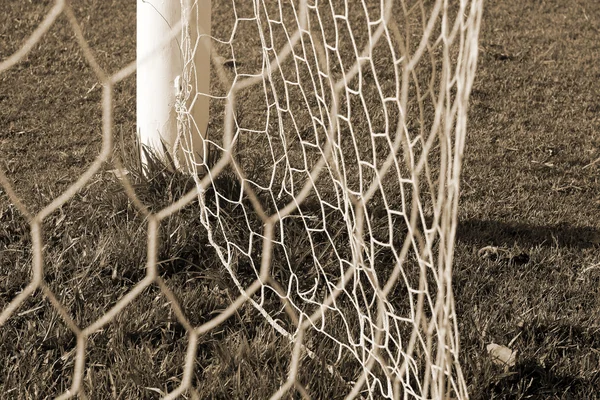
<point x="173" y="80"/>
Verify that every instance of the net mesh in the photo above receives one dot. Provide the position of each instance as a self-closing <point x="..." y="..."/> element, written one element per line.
<point x="328" y="187"/>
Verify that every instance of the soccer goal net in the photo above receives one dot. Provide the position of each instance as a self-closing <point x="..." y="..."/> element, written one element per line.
<point x="342" y="126"/>
<point x="327" y="182"/>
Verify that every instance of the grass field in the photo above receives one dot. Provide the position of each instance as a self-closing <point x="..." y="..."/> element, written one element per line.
<point x="530" y="187"/>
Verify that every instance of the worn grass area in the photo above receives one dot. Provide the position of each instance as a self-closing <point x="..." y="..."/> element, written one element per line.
<point x="530" y="186"/>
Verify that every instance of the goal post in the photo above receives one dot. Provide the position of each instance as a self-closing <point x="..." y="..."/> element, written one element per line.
<point x="172" y="87"/>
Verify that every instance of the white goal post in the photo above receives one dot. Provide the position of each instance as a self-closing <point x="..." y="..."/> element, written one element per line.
<point x="166" y="73"/>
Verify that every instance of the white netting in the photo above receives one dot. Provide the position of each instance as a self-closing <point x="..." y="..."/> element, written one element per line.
<point x="329" y="188"/>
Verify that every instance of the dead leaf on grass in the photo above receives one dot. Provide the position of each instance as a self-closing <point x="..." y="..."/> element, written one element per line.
<point x="489" y="253"/>
<point x="502" y="355"/>
<point x="494" y="253"/>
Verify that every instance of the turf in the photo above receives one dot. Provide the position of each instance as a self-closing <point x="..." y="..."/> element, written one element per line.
<point x="530" y="187"/>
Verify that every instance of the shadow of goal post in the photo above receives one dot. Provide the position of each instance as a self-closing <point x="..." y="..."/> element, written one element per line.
<point x="343" y="125"/>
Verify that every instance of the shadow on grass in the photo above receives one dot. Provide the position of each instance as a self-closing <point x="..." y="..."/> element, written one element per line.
<point x="531" y="380"/>
<point x="486" y="232"/>
<point x="557" y="376"/>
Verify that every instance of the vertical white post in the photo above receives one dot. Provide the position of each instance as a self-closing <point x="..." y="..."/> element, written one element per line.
<point x="160" y="66"/>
